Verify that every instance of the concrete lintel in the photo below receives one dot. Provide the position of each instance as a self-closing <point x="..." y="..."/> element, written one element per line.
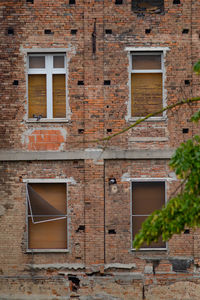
<point x="119" y="266"/>
<point x="56" y="266"/>
<point x="81" y="154"/>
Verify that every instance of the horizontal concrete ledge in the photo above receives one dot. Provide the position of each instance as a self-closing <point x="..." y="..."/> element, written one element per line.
<point x="96" y="154"/>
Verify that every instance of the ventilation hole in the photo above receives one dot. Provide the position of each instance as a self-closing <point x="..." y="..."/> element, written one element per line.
<point x="106" y="82"/>
<point x="75" y="282"/>
<point x="47" y="31"/>
<point x="185" y="31"/>
<point x="15" y="82"/>
<point x="81" y="131"/>
<point x="187" y="231"/>
<point x="109" y="130"/>
<point x="73" y="31"/>
<point x="111" y="231"/>
<point x="185" y="130"/>
<point x="30" y="1"/>
<point x="112" y="180"/>
<point x="72" y="2"/>
<point x="176" y="2"/>
<point x="187" y="82"/>
<point x="10" y="31"/>
<point x="80" y="82"/>
<point x="107" y="106"/>
<point x="81" y="228"/>
<point x="147" y="31"/>
<point x="118" y="2"/>
<point x="108" y="31"/>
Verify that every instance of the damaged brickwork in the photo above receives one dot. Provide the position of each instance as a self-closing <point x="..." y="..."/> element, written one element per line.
<point x="95" y="42"/>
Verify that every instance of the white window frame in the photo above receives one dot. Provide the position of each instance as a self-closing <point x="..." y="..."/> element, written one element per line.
<point x="49" y="71"/>
<point x="131" y="209"/>
<point x="147" y="51"/>
<point x="47" y="180"/>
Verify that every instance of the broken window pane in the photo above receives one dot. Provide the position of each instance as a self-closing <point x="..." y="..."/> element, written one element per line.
<point x="151" y="6"/>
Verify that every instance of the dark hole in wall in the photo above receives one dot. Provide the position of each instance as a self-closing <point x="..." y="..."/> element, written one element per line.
<point x="147" y="31"/>
<point x="111" y="231"/>
<point x="151" y="6"/>
<point x="10" y="31"/>
<point x="80" y="130"/>
<point x="108" y="31"/>
<point x="71" y="2"/>
<point x="185" y="31"/>
<point x="73" y="31"/>
<point x="109" y="130"/>
<point x="75" y="282"/>
<point x="118" y="2"/>
<point x="15" y="82"/>
<point x="176" y="2"/>
<point x="187" y="82"/>
<point x="180" y="265"/>
<point x="47" y="31"/>
<point x="80" y="82"/>
<point x="185" y="130"/>
<point x="81" y="228"/>
<point x="187" y="231"/>
<point x="30" y="1"/>
<point x="106" y="82"/>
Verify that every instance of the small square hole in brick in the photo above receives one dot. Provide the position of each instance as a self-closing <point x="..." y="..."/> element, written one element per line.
<point x="187" y="231"/>
<point x="47" y="31"/>
<point x="73" y="31"/>
<point x="109" y="130"/>
<point x="148" y="30"/>
<point x="30" y="1"/>
<point x="80" y="130"/>
<point x="185" y="130"/>
<point x="176" y="2"/>
<point x="111" y="231"/>
<point x="15" y="82"/>
<point x="80" y="82"/>
<point x="185" y="31"/>
<point x="118" y="2"/>
<point x="72" y="2"/>
<point x="108" y="31"/>
<point x="106" y="82"/>
<point x="187" y="82"/>
<point x="10" y="31"/>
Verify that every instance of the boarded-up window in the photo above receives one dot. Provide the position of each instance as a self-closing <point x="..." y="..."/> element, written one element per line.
<point x="46" y="86"/>
<point x="151" y="6"/>
<point x="146" y="198"/>
<point x="146" y="84"/>
<point x="47" y="216"/>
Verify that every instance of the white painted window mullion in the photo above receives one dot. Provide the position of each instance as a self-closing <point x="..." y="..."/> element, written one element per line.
<point x="49" y="66"/>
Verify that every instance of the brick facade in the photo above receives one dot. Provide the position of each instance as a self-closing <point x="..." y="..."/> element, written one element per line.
<point x="97" y="38"/>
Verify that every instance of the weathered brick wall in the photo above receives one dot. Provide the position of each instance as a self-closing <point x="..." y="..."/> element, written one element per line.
<point x="103" y="261"/>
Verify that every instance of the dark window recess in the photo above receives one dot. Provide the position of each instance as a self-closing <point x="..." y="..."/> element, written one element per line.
<point x="108" y="31"/>
<point x="106" y="82"/>
<point x="75" y="282"/>
<point x="176" y="2"/>
<point x="81" y="131"/>
<point x="187" y="231"/>
<point x="187" y="82"/>
<point x="109" y="130"/>
<point x="111" y="231"/>
<point x="185" y="31"/>
<point x="81" y="228"/>
<point x="147" y="31"/>
<point x="118" y="2"/>
<point x="80" y="82"/>
<point x="180" y="265"/>
<point x="150" y="6"/>
<point x="73" y="31"/>
<point x="15" y="82"/>
<point x="11" y="31"/>
<point x="71" y="2"/>
<point x="185" y="130"/>
<point x="47" y="31"/>
<point x="30" y="1"/>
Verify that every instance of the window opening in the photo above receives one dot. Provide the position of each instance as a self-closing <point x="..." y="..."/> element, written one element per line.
<point x="151" y="6"/>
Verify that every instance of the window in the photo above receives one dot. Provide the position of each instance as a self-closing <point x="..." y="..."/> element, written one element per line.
<point x="146" y="197"/>
<point x="47" y="216"/>
<point x="151" y="6"/>
<point x="146" y="83"/>
<point x="46" y="86"/>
